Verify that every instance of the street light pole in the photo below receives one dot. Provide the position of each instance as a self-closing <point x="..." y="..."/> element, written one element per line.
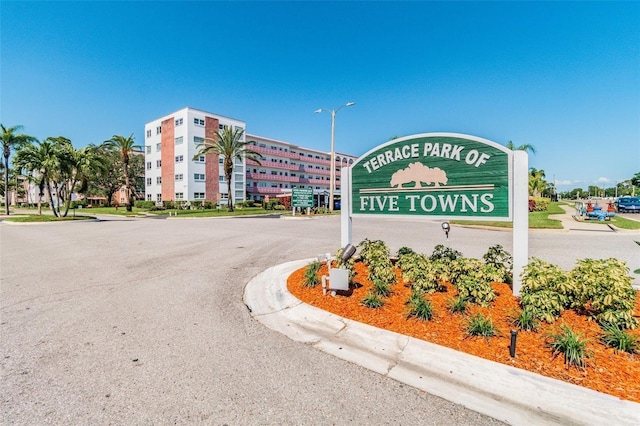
<point x="332" y="174"/>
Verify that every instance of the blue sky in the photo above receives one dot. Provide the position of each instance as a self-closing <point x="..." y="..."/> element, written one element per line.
<point x="564" y="77"/>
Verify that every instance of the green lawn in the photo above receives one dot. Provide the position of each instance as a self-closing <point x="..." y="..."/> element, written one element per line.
<point x="621" y="223"/>
<point x="537" y="220"/>
<point x="46" y="218"/>
<point x="122" y="211"/>
<point x="222" y="212"/>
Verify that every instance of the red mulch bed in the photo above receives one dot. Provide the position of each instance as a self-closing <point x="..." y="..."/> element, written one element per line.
<point x="616" y="374"/>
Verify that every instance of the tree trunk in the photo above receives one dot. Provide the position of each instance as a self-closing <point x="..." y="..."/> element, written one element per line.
<point x="6" y="183"/>
<point x="126" y="184"/>
<point x="228" y="170"/>
<point x="53" y="209"/>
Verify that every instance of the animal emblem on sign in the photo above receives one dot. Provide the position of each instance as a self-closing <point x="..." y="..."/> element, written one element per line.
<point x="419" y="173"/>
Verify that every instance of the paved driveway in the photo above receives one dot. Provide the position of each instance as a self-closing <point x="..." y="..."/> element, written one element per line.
<point x="141" y="321"/>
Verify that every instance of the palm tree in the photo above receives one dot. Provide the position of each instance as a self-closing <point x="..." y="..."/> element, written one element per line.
<point x="11" y="140"/>
<point x="537" y="184"/>
<point x="228" y="144"/>
<point x="42" y="160"/>
<point x="525" y="147"/>
<point x="126" y="147"/>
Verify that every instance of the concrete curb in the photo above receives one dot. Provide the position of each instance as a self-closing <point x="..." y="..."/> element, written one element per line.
<point x="497" y="390"/>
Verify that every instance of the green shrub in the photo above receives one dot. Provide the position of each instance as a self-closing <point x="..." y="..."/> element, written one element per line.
<point x="169" y="205"/>
<point x="525" y="320"/>
<point x="571" y="344"/>
<point x="501" y="260"/>
<point x="444" y="254"/>
<point x="606" y="286"/>
<point x="463" y="267"/>
<point x="248" y="203"/>
<point x="145" y="205"/>
<point x="422" y="274"/>
<point x="420" y="308"/>
<point x="475" y="291"/>
<point x="619" y="339"/>
<point x="311" y="275"/>
<point x="457" y="305"/>
<point x="381" y="288"/>
<point x="375" y="254"/>
<point x="404" y="251"/>
<point x="372" y="301"/>
<point x="479" y="325"/>
<point x="540" y="204"/>
<point x="545" y="291"/>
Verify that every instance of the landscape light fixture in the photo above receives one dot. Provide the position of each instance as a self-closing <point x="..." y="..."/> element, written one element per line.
<point x="512" y="346"/>
<point x="446" y="228"/>
<point x="348" y="252"/>
<point x="332" y="175"/>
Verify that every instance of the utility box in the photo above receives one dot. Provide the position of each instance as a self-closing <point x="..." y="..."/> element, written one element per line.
<point x="338" y="279"/>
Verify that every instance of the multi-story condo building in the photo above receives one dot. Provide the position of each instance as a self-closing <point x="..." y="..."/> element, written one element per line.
<point x="172" y="173"/>
<point x="286" y="166"/>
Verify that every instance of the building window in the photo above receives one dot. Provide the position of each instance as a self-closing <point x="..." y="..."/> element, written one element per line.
<point x="158" y="163"/>
<point x="221" y="126"/>
<point x="148" y="165"/>
<point x="179" y="158"/>
<point x="221" y="178"/>
<point x="149" y="197"/>
<point x="198" y="139"/>
<point x="159" y="179"/>
<point x="178" y="140"/>
<point x="158" y="130"/>
<point x="198" y="122"/>
<point x="179" y="195"/>
<point x="158" y="197"/>
<point x="148" y="181"/>
<point x="220" y="160"/>
<point x="148" y="133"/>
<point x="158" y="147"/>
<point x="179" y="177"/>
<point x="198" y="195"/>
<point x="200" y="159"/>
<point x="148" y="147"/>
<point x="178" y="121"/>
<point x="198" y="177"/>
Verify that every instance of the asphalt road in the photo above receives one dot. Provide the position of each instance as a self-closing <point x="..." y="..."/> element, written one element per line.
<point x="139" y="321"/>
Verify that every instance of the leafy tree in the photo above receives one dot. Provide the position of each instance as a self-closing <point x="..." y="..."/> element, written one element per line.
<point x="11" y="139"/>
<point x="524" y="147"/>
<point x="41" y="159"/>
<point x="106" y="182"/>
<point x="228" y="144"/>
<point x="537" y="183"/>
<point x="126" y="147"/>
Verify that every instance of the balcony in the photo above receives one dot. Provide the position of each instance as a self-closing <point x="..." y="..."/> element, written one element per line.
<point x="262" y="190"/>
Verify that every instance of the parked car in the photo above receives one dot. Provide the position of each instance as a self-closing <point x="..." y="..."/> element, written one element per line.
<point x="628" y="204"/>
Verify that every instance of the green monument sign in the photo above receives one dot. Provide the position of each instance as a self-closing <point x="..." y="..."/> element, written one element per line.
<point x="434" y="174"/>
<point x="302" y="197"/>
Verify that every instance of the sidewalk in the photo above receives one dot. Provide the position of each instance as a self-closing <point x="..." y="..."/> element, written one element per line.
<point x="500" y="391"/>
<point x="569" y="222"/>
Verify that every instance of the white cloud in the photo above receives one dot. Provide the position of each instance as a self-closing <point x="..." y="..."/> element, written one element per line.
<point x="602" y="180"/>
<point x="566" y="182"/>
